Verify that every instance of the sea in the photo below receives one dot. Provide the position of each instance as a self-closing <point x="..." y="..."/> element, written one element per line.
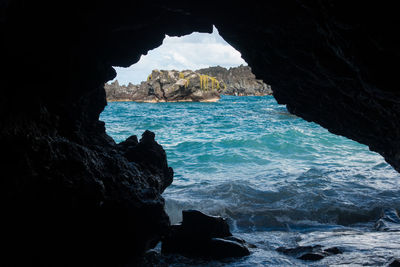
<point x="279" y="180"/>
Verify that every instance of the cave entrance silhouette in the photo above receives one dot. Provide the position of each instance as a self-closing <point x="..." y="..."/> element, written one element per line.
<point x="67" y="183"/>
<point x="202" y="149"/>
<point x="251" y="161"/>
<point x="189" y="52"/>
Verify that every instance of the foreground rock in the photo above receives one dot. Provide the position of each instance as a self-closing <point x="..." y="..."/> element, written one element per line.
<point x="395" y="263"/>
<point x="168" y="86"/>
<point x="389" y="221"/>
<point x="239" y="81"/>
<point x="309" y="253"/>
<point x="203" y="236"/>
<point x="93" y="205"/>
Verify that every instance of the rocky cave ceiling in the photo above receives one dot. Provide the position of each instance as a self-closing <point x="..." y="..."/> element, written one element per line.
<point x="329" y="62"/>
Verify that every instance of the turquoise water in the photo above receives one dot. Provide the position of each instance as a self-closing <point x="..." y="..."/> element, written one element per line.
<point x="281" y="181"/>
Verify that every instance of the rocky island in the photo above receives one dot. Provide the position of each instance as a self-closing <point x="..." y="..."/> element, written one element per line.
<point x="204" y="85"/>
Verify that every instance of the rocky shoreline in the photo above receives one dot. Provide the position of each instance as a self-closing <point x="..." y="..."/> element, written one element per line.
<point x="204" y="85"/>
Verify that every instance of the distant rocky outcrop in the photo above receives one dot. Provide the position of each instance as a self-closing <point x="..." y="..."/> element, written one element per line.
<point x="204" y="85"/>
<point x="116" y="92"/>
<point x="240" y="81"/>
<point x="168" y="86"/>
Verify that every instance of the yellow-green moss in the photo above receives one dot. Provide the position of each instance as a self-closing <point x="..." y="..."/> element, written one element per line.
<point x="205" y="80"/>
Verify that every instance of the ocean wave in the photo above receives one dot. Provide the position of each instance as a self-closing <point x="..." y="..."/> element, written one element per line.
<point x="298" y="205"/>
<point x="251" y="161"/>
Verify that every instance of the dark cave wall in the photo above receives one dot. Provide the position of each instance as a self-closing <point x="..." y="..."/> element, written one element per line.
<point x="65" y="182"/>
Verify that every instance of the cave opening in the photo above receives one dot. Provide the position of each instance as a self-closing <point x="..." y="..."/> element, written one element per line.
<point x="248" y="159"/>
<point x="71" y="196"/>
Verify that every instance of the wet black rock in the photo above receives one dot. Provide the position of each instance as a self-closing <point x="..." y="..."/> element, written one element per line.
<point x="150" y="258"/>
<point x="150" y="156"/>
<point x="203" y="236"/>
<point x="333" y="250"/>
<point x="389" y="221"/>
<point x="394" y="263"/>
<point x="309" y="253"/>
<point x="200" y="224"/>
<point x="298" y="251"/>
<point x="310" y="256"/>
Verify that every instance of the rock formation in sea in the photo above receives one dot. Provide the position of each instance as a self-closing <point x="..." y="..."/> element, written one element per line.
<point x="203" y="236"/>
<point x="117" y="92"/>
<point x="70" y="196"/>
<point x="168" y="86"/>
<point x="204" y="85"/>
<point x="310" y="253"/>
<point x="239" y="81"/>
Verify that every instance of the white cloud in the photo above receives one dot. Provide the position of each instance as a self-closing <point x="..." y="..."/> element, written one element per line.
<point x="194" y="51"/>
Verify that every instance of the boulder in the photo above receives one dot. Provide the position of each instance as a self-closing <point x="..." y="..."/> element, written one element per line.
<point x="196" y="222"/>
<point x="395" y="263"/>
<point x="203" y="236"/>
<point x="309" y="253"/>
<point x="311" y="256"/>
<point x="389" y="221"/>
<point x="149" y="155"/>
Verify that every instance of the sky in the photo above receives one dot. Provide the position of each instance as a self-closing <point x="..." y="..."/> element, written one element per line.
<point x="193" y="51"/>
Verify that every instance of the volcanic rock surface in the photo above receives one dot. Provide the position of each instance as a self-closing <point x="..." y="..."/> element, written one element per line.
<point x="239" y="81"/>
<point x="70" y="195"/>
<point x="117" y="92"/>
<point x="168" y="86"/>
<point x="203" y="236"/>
<point x="310" y="253"/>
